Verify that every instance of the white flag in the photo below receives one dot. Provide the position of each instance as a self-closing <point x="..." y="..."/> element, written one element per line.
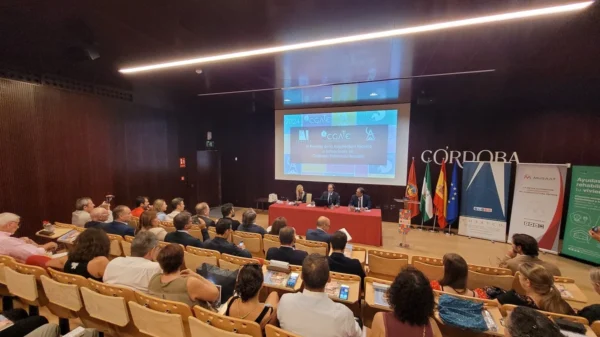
<point x="426" y="202"/>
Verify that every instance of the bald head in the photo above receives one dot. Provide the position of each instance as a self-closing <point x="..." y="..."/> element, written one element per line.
<point x="99" y="214"/>
<point x="323" y="223"/>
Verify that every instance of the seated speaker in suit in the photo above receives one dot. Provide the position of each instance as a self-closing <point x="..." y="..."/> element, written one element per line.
<point x="183" y="222"/>
<point x="360" y="199"/>
<point x="122" y="215"/>
<point x="300" y="194"/>
<point x="286" y="252"/>
<point x="332" y="197"/>
<point x="338" y="262"/>
<point x="249" y="225"/>
<point x="320" y="233"/>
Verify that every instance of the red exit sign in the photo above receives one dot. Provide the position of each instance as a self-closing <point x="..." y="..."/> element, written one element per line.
<point x="182" y="162"/>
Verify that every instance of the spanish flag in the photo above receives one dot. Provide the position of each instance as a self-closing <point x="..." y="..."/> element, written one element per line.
<point x="412" y="190"/>
<point x="440" y="200"/>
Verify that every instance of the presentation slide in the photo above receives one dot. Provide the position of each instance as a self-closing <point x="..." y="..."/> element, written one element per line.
<point x="366" y="145"/>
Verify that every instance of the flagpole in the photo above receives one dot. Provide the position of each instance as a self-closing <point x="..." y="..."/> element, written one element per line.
<point x="434" y="220"/>
<point x="421" y="223"/>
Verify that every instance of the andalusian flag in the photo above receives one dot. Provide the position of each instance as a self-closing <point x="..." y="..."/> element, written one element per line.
<point x="426" y="203"/>
<point x="440" y="201"/>
<point x="412" y="191"/>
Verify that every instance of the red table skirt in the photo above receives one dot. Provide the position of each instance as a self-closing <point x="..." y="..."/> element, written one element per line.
<point x="364" y="227"/>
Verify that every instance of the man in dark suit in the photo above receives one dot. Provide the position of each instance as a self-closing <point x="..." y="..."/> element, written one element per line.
<point x="360" y="199"/>
<point x="320" y="234"/>
<point x="99" y="215"/>
<point x="220" y="243"/>
<point x="338" y="262"/>
<point x="332" y="197"/>
<point x="286" y="252"/>
<point x="248" y="225"/>
<point x="228" y="213"/>
<point x="122" y="216"/>
<point x="182" y="223"/>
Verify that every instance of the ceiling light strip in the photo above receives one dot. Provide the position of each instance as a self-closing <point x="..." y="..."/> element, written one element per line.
<point x="368" y="36"/>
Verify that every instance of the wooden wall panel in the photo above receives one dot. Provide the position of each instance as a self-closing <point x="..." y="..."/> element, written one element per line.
<point x="56" y="146"/>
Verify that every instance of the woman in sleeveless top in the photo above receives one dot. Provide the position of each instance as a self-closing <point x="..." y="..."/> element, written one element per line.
<point x="411" y="298"/>
<point x="181" y="286"/>
<point x="456" y="272"/>
<point x="245" y="304"/>
<point x="88" y="257"/>
<point x="149" y="222"/>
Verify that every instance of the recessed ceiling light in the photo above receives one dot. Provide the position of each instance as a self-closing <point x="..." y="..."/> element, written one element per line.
<point x="327" y="97"/>
<point x="373" y="94"/>
<point x="368" y="36"/>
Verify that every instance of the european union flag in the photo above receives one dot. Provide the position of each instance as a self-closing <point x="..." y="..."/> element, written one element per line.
<point x="453" y="196"/>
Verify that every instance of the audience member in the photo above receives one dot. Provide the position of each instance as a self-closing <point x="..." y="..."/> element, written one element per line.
<point x="456" y="273"/>
<point x="202" y="212"/>
<point x="18" y="248"/>
<point x="592" y="312"/>
<point x="286" y="252"/>
<point x="181" y="286"/>
<point x="149" y="222"/>
<point x="53" y="330"/>
<point x="220" y="243"/>
<point x="178" y="207"/>
<point x="338" y="262"/>
<point x="120" y="226"/>
<point x="182" y="223"/>
<point x="320" y="234"/>
<point x="249" y="225"/>
<point x="23" y="323"/>
<point x="411" y="298"/>
<point x="228" y="212"/>
<point x="300" y="194"/>
<point x="83" y="208"/>
<point x="245" y="303"/>
<point x="525" y="249"/>
<point x="160" y="206"/>
<point x="88" y="257"/>
<point x="141" y="205"/>
<point x="540" y="292"/>
<point x="135" y="271"/>
<point x="277" y="225"/>
<point x="99" y="216"/>
<point x="526" y="322"/>
<point x="312" y="313"/>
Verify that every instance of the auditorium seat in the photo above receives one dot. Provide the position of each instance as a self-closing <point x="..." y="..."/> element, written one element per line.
<point x="492" y="306"/>
<point x="385" y="264"/>
<point x="63" y="225"/>
<point x="195" y="257"/>
<point x="212" y="232"/>
<point x="371" y="308"/>
<point x="432" y="267"/>
<point x="134" y="222"/>
<point x="196" y="232"/>
<point x="270" y="241"/>
<point x="252" y="241"/>
<point x="163" y="244"/>
<point x="108" y="304"/>
<point x="160" y="317"/>
<point x="226" y="323"/>
<point x="79" y="229"/>
<point x="482" y="276"/>
<point x="312" y="247"/>
<point x="231" y="262"/>
<point x="273" y="331"/>
<point x="596" y="327"/>
<point x="201" y="329"/>
<point x="126" y="248"/>
<point x="64" y="295"/>
<point x="168" y="226"/>
<point x="115" y="245"/>
<point x="507" y="308"/>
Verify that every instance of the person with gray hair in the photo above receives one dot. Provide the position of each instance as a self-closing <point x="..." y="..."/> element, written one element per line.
<point x="120" y="226"/>
<point x="249" y="223"/>
<point x="99" y="216"/>
<point x="135" y="271"/>
<point x="83" y="209"/>
<point x="18" y="248"/>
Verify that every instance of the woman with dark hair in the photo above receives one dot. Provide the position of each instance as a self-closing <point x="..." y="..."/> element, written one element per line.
<point x="411" y="298"/>
<point x="277" y="225"/>
<point x="88" y="257"/>
<point x="149" y="222"/>
<point x="245" y="303"/>
<point x="181" y="286"/>
<point x="456" y="272"/>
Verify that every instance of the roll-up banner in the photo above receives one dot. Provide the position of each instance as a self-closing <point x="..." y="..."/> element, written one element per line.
<point x="538" y="203"/>
<point x="484" y="198"/>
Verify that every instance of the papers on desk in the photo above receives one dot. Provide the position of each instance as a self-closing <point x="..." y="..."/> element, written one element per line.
<point x="58" y="255"/>
<point x="69" y="237"/>
<point x="348" y="251"/>
<point x="571" y="334"/>
<point x="332" y="288"/>
<point x="379" y="297"/>
<point x="564" y="293"/>
<point x="347" y="234"/>
<point x="276" y="278"/>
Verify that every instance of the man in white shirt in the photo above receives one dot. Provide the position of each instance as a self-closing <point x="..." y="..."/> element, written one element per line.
<point x="18" y="248"/>
<point x="135" y="271"/>
<point x="83" y="208"/>
<point x="178" y="207"/>
<point x="312" y="313"/>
